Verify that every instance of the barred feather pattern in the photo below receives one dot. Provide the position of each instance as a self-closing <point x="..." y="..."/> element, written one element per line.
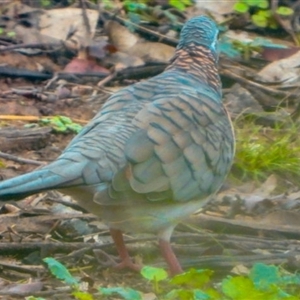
<point x="155" y="152"/>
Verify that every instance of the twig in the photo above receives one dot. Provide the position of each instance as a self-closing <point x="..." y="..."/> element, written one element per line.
<point x="160" y="36"/>
<point x="107" y="79"/>
<point x="34" y="45"/>
<point x="21" y="160"/>
<point x="256" y="85"/>
<point x="34" y="118"/>
<point x="58" y="294"/>
<point x="85" y="20"/>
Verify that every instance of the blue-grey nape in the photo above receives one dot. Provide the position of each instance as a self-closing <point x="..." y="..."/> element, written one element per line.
<point x="199" y="30"/>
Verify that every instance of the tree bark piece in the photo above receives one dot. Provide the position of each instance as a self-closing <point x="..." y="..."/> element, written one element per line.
<point x="24" y="139"/>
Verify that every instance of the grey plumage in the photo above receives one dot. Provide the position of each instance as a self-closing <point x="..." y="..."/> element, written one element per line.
<point x="154" y="153"/>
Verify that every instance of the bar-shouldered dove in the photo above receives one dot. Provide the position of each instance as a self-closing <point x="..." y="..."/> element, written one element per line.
<point x="155" y="152"/>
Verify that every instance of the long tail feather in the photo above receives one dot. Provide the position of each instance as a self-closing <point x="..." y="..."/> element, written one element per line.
<point x="40" y="180"/>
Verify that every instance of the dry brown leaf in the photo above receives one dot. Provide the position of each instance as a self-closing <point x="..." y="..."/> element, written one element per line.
<point x="284" y="70"/>
<point x="120" y="36"/>
<point x="51" y="26"/>
<point x="154" y="52"/>
<point x="127" y="42"/>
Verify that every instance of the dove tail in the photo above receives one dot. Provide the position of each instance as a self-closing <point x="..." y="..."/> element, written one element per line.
<point x="37" y="181"/>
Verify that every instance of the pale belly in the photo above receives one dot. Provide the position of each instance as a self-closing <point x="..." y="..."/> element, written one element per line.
<point x="150" y="217"/>
<point x="141" y="216"/>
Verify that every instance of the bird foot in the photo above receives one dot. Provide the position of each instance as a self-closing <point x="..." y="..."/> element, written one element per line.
<point x="111" y="261"/>
<point x="128" y="263"/>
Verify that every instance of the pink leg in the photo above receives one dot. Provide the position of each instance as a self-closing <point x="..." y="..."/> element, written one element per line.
<point x="170" y="257"/>
<point x="126" y="261"/>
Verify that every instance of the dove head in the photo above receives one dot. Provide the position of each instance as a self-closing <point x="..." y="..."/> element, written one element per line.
<point x="199" y="31"/>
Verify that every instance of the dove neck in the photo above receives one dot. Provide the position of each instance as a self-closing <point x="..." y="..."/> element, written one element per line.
<point x="198" y="62"/>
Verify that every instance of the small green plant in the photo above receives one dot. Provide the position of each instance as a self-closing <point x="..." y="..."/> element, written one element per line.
<point x="135" y="6"/>
<point x="62" y="273"/>
<point x="10" y="34"/>
<point x="125" y="293"/>
<point x="154" y="275"/>
<point x="108" y="4"/>
<point x="243" y="6"/>
<point x="262" y="283"/>
<point x="237" y="48"/>
<point x="261" y="15"/>
<point x="260" y="152"/>
<point x="45" y="3"/>
<point x="246" y="48"/>
<point x="194" y="284"/>
<point x="61" y="124"/>
<point x="180" y="5"/>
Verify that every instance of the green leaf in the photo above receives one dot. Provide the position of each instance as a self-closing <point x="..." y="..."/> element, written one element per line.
<point x="58" y="124"/>
<point x="45" y="121"/>
<point x="239" y="288"/>
<point x="34" y="298"/>
<point x="177" y="4"/>
<point x="289" y="298"/>
<point x="260" y="21"/>
<point x="65" y="120"/>
<point x="181" y="294"/>
<point x="284" y="11"/>
<point x="74" y="127"/>
<point x="45" y="2"/>
<point x="251" y="2"/>
<point x="108" y="4"/>
<point x="263" y="275"/>
<point x="187" y="2"/>
<point x="62" y="124"/>
<point x="213" y="293"/>
<point x="264" y="4"/>
<point x="241" y="7"/>
<point x="193" y="278"/>
<point x="154" y="274"/>
<point x="126" y="293"/>
<point x="82" y="295"/>
<point x="269" y="279"/>
<point x="257" y="3"/>
<point x="194" y="294"/>
<point x="11" y="34"/>
<point x="60" y="128"/>
<point x="200" y="295"/>
<point x="265" y="13"/>
<point x="133" y="6"/>
<point x="273" y="24"/>
<point x="60" y="271"/>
